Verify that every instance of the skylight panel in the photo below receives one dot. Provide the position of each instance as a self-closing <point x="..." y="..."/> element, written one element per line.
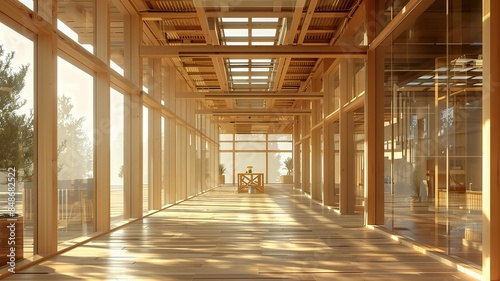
<point x="234" y="19"/>
<point x="264" y="32"/>
<point x="265" y="19"/>
<point x="239" y="69"/>
<point x="238" y="61"/>
<point x="262" y="60"/>
<point x="236" y="32"/>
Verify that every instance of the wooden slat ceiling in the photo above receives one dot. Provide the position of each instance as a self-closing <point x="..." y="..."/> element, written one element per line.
<point x="246" y="27"/>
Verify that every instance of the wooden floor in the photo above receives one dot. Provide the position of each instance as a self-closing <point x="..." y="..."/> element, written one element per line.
<point x="225" y="235"/>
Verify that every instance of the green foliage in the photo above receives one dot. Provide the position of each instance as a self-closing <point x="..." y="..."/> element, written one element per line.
<point x="222" y="169"/>
<point x="74" y="149"/>
<point x="288" y="165"/>
<point x="16" y="129"/>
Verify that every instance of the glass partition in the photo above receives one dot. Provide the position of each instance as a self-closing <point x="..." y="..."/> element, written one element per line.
<point x="145" y="160"/>
<point x="75" y="151"/>
<point x="116" y="130"/>
<point x="17" y="144"/>
<point x="77" y="21"/>
<point x="433" y="105"/>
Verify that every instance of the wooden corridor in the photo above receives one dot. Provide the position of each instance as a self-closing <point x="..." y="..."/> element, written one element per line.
<point x="225" y="235"/>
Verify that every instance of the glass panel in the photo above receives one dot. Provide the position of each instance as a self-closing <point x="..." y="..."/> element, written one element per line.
<point x="28" y="3"/>
<point x="76" y="20"/>
<point x="247" y="145"/>
<point x="164" y="192"/>
<point x="225" y="137"/>
<point x="255" y="159"/>
<point x="359" y="149"/>
<point x="199" y="167"/>
<point x="336" y="149"/>
<point x="226" y="146"/>
<point x="277" y="166"/>
<point x="145" y="160"/>
<point x="116" y="130"/>
<point x="226" y="159"/>
<point x="118" y="17"/>
<point x="17" y="184"/>
<point x="359" y="78"/>
<point x="250" y="137"/>
<point x="391" y="9"/>
<point x="280" y="145"/>
<point x="280" y="137"/>
<point x="75" y="127"/>
<point x="433" y="132"/>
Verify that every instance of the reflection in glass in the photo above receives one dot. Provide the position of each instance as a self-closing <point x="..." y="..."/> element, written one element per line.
<point x="433" y="184"/>
<point x="75" y="151"/>
<point x="76" y="20"/>
<point x="118" y="17"/>
<point x="16" y="139"/>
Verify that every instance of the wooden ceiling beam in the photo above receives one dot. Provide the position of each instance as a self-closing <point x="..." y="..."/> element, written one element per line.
<point x="254" y="111"/>
<point x="250" y="95"/>
<point x="155" y="16"/>
<point x="343" y="51"/>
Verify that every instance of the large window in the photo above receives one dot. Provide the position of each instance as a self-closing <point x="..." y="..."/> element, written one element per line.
<point x="77" y="20"/>
<point x="17" y="181"/>
<point x="117" y="114"/>
<point x="145" y="160"/>
<point x="265" y="153"/>
<point x="75" y="151"/>
<point x="433" y="186"/>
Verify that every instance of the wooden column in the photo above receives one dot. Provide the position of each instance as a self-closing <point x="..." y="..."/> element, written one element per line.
<point x="155" y="138"/>
<point x="491" y="138"/>
<point x="102" y="104"/>
<point x="46" y="134"/>
<point x="374" y="123"/>
<point x="347" y="187"/>
<point x="133" y="125"/>
<point x="296" y="152"/>
<point x="306" y="150"/>
<point x="316" y="168"/>
<point x="328" y="145"/>
<point x="170" y="136"/>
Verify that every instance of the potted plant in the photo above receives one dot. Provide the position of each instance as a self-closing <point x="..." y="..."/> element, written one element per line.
<point x="288" y="178"/>
<point x="222" y="177"/>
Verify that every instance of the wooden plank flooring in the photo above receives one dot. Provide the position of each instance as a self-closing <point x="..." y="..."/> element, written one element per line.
<point x="225" y="235"/>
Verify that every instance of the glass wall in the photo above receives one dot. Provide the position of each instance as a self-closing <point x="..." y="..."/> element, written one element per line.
<point x="433" y="92"/>
<point x="17" y="181"/>
<point x="77" y="21"/>
<point x="145" y="160"/>
<point x="117" y="123"/>
<point x="265" y="153"/>
<point x="37" y="106"/>
<point x="336" y="138"/>
<point x="119" y="18"/>
<point x="75" y="151"/>
<point x="358" y="142"/>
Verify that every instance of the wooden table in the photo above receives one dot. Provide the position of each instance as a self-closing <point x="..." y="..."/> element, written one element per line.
<point x="248" y="182"/>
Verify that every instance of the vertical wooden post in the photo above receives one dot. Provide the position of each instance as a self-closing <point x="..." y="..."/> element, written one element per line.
<point x="374" y="123"/>
<point x="491" y="138"/>
<point x="102" y="123"/>
<point x="46" y="133"/>
<point x="155" y="136"/>
<point x="134" y="122"/>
